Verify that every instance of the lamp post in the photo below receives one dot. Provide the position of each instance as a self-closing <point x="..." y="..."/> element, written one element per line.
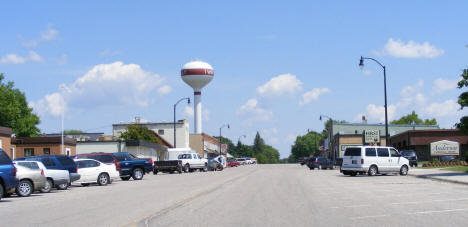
<point x="225" y="125"/>
<point x="361" y="65"/>
<point x="330" y="136"/>
<point x="188" y="102"/>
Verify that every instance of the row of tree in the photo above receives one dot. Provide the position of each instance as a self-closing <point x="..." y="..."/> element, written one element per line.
<point x="264" y="153"/>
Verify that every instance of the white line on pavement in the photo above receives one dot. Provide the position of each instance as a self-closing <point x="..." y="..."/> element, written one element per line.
<point x="440" y="211"/>
<point x="430" y="201"/>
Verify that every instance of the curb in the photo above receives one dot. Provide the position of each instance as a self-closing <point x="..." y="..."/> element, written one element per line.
<point x="439" y="179"/>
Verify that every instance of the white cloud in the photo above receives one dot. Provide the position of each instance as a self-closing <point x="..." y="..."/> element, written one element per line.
<point x="411" y="95"/>
<point x="166" y="89"/>
<point x="254" y="111"/>
<point x="53" y="104"/>
<point x="441" y="85"/>
<point x="104" y="85"/>
<point x="377" y="113"/>
<point x="62" y="60"/>
<point x="16" y="59"/>
<point x="280" y="85"/>
<point x="449" y="108"/>
<point x="313" y="95"/>
<point x="31" y="43"/>
<point x="188" y="110"/>
<point x="412" y="49"/>
<point x="49" y="34"/>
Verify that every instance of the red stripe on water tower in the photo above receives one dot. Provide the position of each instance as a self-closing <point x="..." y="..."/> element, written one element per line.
<point x="207" y="72"/>
<point x="197" y="92"/>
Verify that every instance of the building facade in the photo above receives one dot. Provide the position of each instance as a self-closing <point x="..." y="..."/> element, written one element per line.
<point x="165" y="130"/>
<point x="420" y="141"/>
<point x="5" y="141"/>
<point x="206" y="145"/>
<point x="43" y="146"/>
<point x="139" y="148"/>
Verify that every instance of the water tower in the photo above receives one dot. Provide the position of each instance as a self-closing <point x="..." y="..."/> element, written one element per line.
<point x="197" y="74"/>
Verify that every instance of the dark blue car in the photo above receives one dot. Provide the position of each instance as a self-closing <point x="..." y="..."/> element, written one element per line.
<point x="7" y="174"/>
<point x="61" y="162"/>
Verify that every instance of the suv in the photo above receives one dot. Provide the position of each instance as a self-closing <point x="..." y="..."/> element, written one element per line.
<point x="373" y="160"/>
<point x="192" y="161"/>
<point x="56" y="162"/>
<point x="319" y="163"/>
<point x="411" y="156"/>
<point x="8" y="179"/>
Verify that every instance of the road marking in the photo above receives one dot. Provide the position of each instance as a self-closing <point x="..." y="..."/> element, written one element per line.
<point x="373" y="216"/>
<point x="351" y="206"/>
<point x="440" y="211"/>
<point x="430" y="201"/>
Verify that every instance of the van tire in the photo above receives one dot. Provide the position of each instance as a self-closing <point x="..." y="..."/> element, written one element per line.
<point x="372" y="171"/>
<point x="404" y="170"/>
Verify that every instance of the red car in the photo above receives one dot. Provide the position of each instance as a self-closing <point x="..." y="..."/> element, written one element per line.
<point x="233" y="163"/>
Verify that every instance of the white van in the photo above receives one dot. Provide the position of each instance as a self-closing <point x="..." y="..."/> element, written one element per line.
<point x="373" y="160"/>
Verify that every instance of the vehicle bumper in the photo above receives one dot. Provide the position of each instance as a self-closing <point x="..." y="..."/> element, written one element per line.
<point x="58" y="182"/>
<point x="354" y="169"/>
<point x="74" y="177"/>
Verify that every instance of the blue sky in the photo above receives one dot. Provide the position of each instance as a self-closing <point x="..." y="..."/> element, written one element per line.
<point x="278" y="64"/>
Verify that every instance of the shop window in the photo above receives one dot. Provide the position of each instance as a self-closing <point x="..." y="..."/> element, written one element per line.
<point x="161" y="131"/>
<point x="28" y="152"/>
<point x="46" y="151"/>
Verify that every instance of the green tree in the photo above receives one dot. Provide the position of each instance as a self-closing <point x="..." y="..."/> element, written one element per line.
<point x="14" y="111"/>
<point x="463" y="101"/>
<point x="140" y="132"/>
<point x="306" y="145"/>
<point x="72" y="131"/>
<point x="413" y="118"/>
<point x="242" y="150"/>
<point x="259" y="144"/>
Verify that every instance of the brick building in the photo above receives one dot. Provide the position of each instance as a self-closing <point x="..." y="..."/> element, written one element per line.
<point x="5" y="140"/>
<point x="206" y="145"/>
<point x="43" y="145"/>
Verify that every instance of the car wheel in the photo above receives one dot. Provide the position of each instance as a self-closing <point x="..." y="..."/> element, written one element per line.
<point x="1" y="192"/>
<point x="48" y="186"/>
<point x="63" y="186"/>
<point x="125" y="178"/>
<point x="155" y="172"/>
<point x="24" y="188"/>
<point x="137" y="174"/>
<point x="103" y="179"/>
<point x="404" y="170"/>
<point x="353" y="174"/>
<point x="186" y="168"/>
<point x="372" y="171"/>
<point x="205" y="168"/>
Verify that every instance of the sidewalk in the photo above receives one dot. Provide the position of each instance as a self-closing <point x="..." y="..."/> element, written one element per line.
<point x="440" y="175"/>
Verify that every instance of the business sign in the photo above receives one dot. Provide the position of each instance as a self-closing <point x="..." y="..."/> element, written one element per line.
<point x="445" y="147"/>
<point x="371" y="136"/>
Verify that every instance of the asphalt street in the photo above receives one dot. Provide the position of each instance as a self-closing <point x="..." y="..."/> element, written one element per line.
<point x="260" y="195"/>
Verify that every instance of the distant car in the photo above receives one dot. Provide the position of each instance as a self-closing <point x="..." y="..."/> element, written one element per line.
<point x="192" y="161"/>
<point x="107" y="158"/>
<point x="62" y="162"/>
<point x="93" y="171"/>
<point x="248" y="161"/>
<point x="54" y="177"/>
<point x="131" y="166"/>
<point x="8" y="180"/>
<point x="30" y="178"/>
<point x="319" y="163"/>
<point x="411" y="156"/>
<point x="233" y="163"/>
<point x="373" y="160"/>
<point x="447" y="158"/>
<point x="242" y="161"/>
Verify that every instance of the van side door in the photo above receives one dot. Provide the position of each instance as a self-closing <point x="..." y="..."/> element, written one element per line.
<point x="395" y="160"/>
<point x="383" y="159"/>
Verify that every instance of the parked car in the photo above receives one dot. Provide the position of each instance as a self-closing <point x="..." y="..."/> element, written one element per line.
<point x="131" y="166"/>
<point x="61" y="162"/>
<point x="248" y="161"/>
<point x="447" y="158"/>
<point x="30" y="178"/>
<point x="167" y="166"/>
<point x="233" y="163"/>
<point x="373" y="160"/>
<point x="107" y="158"/>
<point x="93" y="171"/>
<point x="411" y="156"/>
<point x="8" y="180"/>
<point x="242" y="161"/>
<point x="319" y="163"/>
<point x="214" y="164"/>
<point x="54" y="177"/>
<point x="193" y="161"/>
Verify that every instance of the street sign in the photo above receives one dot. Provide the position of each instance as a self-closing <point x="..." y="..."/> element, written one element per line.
<point x="371" y="136"/>
<point x="445" y="147"/>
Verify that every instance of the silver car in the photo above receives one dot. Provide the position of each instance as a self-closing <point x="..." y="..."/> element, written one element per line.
<point x="31" y="178"/>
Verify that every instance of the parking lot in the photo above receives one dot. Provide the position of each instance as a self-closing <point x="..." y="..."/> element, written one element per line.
<point x="269" y="195"/>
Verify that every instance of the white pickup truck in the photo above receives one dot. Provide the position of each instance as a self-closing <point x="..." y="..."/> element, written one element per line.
<point x="192" y="161"/>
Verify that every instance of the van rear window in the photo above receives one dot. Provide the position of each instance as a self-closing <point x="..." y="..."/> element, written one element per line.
<point x="353" y="151"/>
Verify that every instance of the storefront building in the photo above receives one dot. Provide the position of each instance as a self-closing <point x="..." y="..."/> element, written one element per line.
<point x="32" y="146"/>
<point x="430" y="144"/>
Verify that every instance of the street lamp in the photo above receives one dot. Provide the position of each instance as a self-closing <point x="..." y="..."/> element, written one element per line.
<point x="225" y="125"/>
<point x="330" y="136"/>
<point x="361" y="65"/>
<point x="188" y="102"/>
